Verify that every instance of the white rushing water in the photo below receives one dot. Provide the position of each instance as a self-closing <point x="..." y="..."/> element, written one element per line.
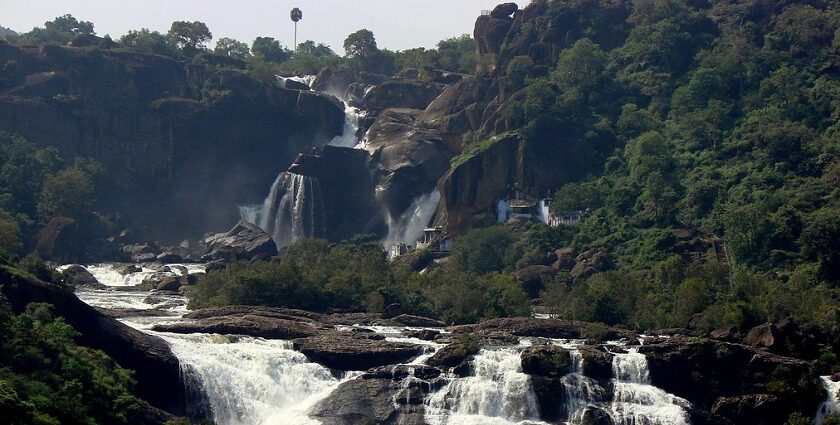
<point x="498" y="394"/>
<point x="408" y="228"/>
<point x="348" y="138"/>
<point x="582" y="392"/>
<point x="293" y="209"/>
<point x="832" y="400"/>
<point x="245" y="381"/>
<point x="250" y="381"/>
<point x="636" y="401"/>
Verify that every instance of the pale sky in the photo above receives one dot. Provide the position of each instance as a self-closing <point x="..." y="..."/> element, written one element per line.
<point x="397" y="24"/>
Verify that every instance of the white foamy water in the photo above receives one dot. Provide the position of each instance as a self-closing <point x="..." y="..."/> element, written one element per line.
<point x="832" y="400"/>
<point x="498" y="394"/>
<point x="348" y="138"/>
<point x="293" y="209"/>
<point x="636" y="402"/>
<point x="581" y="391"/>
<point x="251" y="381"/>
<point x="245" y="381"/>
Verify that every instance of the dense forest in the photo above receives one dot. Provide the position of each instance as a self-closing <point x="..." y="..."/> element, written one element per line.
<point x="709" y="133"/>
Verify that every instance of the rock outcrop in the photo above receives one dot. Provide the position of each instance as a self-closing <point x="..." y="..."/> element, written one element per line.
<point x="379" y="396"/>
<point x="737" y="382"/>
<point x="157" y="370"/>
<point x="245" y="241"/>
<point x="194" y="137"/>
<point x="248" y="324"/>
<point x="347" y="351"/>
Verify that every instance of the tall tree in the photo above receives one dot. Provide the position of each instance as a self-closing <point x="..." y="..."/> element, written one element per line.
<point x="360" y="43"/>
<point x="190" y="36"/>
<point x="296" y="16"/>
<point x="269" y="50"/>
<point x="233" y="48"/>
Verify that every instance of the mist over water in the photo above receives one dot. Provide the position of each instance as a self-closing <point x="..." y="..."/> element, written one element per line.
<point x="408" y="227"/>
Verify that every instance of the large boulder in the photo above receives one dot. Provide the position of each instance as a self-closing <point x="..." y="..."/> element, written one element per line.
<point x="156" y="368"/>
<point x="386" y="395"/>
<point x="59" y="240"/>
<point x="78" y="275"/>
<point x="546" y="360"/>
<point x="347" y="351"/>
<point x="401" y="93"/>
<point x="533" y="278"/>
<point x="710" y="373"/>
<point x="244" y="241"/>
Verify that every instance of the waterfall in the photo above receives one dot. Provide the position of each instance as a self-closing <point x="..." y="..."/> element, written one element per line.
<point x="581" y="391"/>
<point x="832" y="400"/>
<point x="293" y="209"/>
<point x="250" y="213"/>
<point x="249" y="380"/>
<point x="499" y="393"/>
<point x="348" y="138"/>
<point x="635" y="401"/>
<point x="408" y="227"/>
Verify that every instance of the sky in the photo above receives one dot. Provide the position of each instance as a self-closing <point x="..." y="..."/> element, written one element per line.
<point x="397" y="24"/>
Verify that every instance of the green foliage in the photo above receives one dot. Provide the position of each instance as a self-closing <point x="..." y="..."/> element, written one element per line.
<point x="69" y="193"/>
<point x="233" y="48"/>
<point x="45" y="377"/>
<point x="360" y="43"/>
<point x="189" y="36"/>
<point x="60" y="30"/>
<point x="268" y="49"/>
<point x="147" y="41"/>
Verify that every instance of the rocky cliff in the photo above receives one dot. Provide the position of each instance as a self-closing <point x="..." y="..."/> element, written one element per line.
<point x="182" y="144"/>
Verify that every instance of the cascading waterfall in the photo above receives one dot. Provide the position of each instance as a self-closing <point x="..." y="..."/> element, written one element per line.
<point x="249" y="381"/>
<point x="636" y="402"/>
<point x="581" y="391"/>
<point x="348" y="138"/>
<point x="408" y="228"/>
<point x="499" y="393"/>
<point x="832" y="400"/>
<point x="293" y="209"/>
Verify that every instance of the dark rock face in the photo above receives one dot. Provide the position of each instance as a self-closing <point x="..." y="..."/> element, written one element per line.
<point x="160" y="140"/>
<point x="344" y="351"/>
<point x="79" y="275"/>
<point x="244" y="241"/>
<point x="379" y="396"/>
<point x="348" y="191"/>
<point x="474" y="186"/>
<point x="157" y="369"/>
<point x="410" y="158"/>
<point x="532" y="277"/>
<point x="734" y="381"/>
<point x="401" y="93"/>
<point x="59" y="240"/>
<point x="454" y="355"/>
<point x="591" y="263"/>
<point x="546" y="360"/>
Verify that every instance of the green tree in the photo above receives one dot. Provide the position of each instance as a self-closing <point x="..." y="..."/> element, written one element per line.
<point x="190" y="36"/>
<point x="69" y="193"/>
<point x="69" y="25"/>
<point x="296" y="15"/>
<point x="820" y="240"/>
<point x="457" y="54"/>
<point x="233" y="48"/>
<point x="269" y="50"/>
<point x="147" y="41"/>
<point x="319" y="50"/>
<point x="360" y="43"/>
